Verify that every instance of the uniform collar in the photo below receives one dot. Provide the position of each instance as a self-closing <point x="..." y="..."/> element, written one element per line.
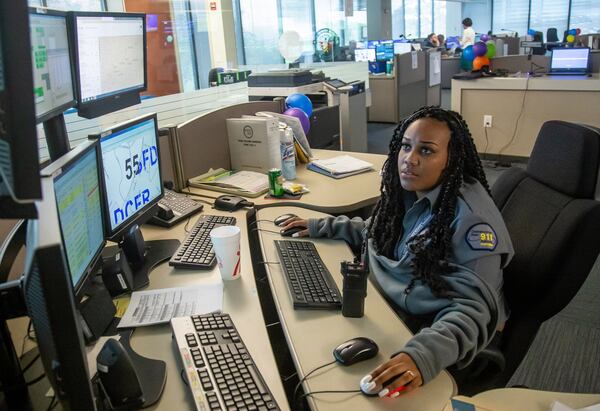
<point x="429" y="199"/>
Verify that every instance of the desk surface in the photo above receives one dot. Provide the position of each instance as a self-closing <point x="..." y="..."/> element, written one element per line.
<point x="328" y="194"/>
<point x="240" y="300"/>
<point x="519" y="399"/>
<point x="312" y="335"/>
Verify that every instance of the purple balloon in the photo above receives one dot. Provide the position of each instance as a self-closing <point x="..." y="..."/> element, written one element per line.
<point x="479" y="49"/>
<point x="300" y="115"/>
<point x="484" y="37"/>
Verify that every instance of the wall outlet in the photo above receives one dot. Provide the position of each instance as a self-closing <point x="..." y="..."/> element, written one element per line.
<point x="487" y="121"/>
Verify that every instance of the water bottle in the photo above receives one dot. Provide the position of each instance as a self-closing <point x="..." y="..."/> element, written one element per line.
<point x="288" y="159"/>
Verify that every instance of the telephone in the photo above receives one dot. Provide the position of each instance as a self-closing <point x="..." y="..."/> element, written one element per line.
<point x="173" y="208"/>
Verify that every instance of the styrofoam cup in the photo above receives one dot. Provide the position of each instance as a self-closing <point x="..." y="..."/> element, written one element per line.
<point x="226" y="244"/>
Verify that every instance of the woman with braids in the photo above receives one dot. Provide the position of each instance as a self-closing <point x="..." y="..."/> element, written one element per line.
<point x="437" y="245"/>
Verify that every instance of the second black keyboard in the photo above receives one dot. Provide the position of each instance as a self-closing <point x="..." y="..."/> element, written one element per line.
<point x="196" y="250"/>
<point x="310" y="283"/>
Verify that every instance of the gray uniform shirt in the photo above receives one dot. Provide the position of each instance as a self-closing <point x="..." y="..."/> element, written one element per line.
<point x="465" y="322"/>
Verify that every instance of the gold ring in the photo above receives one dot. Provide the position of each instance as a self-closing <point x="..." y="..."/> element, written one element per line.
<point x="411" y="374"/>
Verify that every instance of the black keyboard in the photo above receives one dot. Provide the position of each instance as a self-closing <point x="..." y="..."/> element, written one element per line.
<point x="220" y="372"/>
<point x="196" y="250"/>
<point x="309" y="281"/>
<point x="182" y="205"/>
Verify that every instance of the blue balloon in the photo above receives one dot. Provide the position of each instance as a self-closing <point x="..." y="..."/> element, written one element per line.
<point x="468" y="54"/>
<point x="573" y="32"/>
<point x="298" y="100"/>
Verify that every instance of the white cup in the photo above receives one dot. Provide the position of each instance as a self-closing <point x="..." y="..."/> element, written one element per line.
<point x="226" y="244"/>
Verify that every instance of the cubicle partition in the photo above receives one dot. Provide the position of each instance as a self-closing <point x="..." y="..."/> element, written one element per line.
<point x="521" y="63"/>
<point x="450" y="67"/>
<point x="201" y="142"/>
<point x="396" y="96"/>
<point x="434" y="78"/>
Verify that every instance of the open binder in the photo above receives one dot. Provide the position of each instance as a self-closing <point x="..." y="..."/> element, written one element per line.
<point x="242" y="183"/>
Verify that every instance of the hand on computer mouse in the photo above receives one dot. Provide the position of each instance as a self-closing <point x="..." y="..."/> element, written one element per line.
<point x="401" y="370"/>
<point x="295" y="223"/>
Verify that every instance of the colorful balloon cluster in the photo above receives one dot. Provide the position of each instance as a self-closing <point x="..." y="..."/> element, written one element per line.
<point x="477" y="56"/>
<point x="571" y="35"/>
<point x="299" y="106"/>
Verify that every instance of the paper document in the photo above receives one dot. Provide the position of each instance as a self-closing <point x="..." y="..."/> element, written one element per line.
<point x="294" y="123"/>
<point x="559" y="406"/>
<point x="415" y="60"/>
<point x="340" y="166"/>
<point x="244" y="180"/>
<point x="159" y="306"/>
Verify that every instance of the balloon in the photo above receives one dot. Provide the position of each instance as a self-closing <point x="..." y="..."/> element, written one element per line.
<point x="570" y="38"/>
<point x="300" y="115"/>
<point x="297" y="100"/>
<point x="491" y="49"/>
<point x="578" y="31"/>
<point x="573" y="32"/>
<point x="479" y="49"/>
<point x="479" y="62"/>
<point x="484" y="38"/>
<point x="468" y="54"/>
<point x="290" y="45"/>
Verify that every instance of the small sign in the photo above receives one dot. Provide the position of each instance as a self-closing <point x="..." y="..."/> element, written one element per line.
<point x="213" y="6"/>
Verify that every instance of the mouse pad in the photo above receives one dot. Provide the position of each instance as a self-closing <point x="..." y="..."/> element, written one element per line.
<point x="285" y="196"/>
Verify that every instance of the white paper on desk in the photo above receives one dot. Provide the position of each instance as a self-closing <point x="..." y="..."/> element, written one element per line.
<point x="415" y="60"/>
<point x="559" y="406"/>
<point x="246" y="180"/>
<point x="159" y="306"/>
<point x="92" y="353"/>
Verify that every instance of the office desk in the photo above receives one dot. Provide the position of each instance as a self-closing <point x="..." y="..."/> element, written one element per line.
<point x="568" y="98"/>
<point x="328" y="194"/>
<point x="240" y="300"/>
<point x="312" y="335"/>
<point x="520" y="399"/>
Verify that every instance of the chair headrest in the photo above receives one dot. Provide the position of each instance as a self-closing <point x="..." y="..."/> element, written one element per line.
<point x="566" y="157"/>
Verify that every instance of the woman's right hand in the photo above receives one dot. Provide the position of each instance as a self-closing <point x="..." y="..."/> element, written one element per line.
<point x="296" y="222"/>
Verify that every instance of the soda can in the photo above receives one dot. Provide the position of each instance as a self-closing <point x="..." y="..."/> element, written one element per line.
<point x="275" y="182"/>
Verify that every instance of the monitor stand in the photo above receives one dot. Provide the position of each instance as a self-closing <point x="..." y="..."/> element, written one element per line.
<point x="142" y="255"/>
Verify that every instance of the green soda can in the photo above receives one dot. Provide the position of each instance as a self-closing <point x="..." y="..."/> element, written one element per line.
<point x="275" y="182"/>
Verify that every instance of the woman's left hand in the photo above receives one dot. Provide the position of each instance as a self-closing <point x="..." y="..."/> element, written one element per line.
<point x="403" y="372"/>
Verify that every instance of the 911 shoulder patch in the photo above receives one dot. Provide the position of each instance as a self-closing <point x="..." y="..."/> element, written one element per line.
<point x="481" y="237"/>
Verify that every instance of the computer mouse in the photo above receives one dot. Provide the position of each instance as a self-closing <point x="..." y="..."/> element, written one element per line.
<point x="283" y="218"/>
<point x="355" y="350"/>
<point x="291" y="231"/>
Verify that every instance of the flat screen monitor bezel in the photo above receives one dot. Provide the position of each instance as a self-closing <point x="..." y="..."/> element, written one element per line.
<point x="40" y="11"/>
<point x="114" y="100"/>
<point x="54" y="171"/>
<point x="143" y="214"/>
<point x="582" y="71"/>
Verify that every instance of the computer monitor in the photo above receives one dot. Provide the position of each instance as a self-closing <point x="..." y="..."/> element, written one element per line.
<point x="570" y="60"/>
<point x="110" y="60"/>
<point x="401" y="47"/>
<point x="132" y="186"/>
<point x="384" y="50"/>
<point x="77" y="193"/>
<point x="19" y="158"/>
<point x="52" y="66"/>
<point x="452" y="42"/>
<point x="364" y="55"/>
<point x="48" y="294"/>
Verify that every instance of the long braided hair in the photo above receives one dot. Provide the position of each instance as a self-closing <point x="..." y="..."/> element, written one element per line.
<point x="433" y="247"/>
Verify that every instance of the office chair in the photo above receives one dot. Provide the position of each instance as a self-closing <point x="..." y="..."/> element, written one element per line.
<point x="552" y="35"/>
<point x="554" y="221"/>
<point x="213" y="75"/>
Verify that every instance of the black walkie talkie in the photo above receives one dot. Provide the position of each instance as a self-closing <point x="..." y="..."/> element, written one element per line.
<point x="354" y="289"/>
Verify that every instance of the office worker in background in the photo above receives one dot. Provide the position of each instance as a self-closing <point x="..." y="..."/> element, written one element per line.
<point x="437" y="245"/>
<point x="432" y="41"/>
<point x="468" y="37"/>
<point x="441" y="40"/>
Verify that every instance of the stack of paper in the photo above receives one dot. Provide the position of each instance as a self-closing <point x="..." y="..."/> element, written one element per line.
<point x="340" y="166"/>
<point x="244" y="183"/>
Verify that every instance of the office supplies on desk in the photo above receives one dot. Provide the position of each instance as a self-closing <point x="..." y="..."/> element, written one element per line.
<point x="254" y="143"/>
<point x="309" y="282"/>
<point x="181" y="205"/>
<point x="243" y="182"/>
<point x="196" y="250"/>
<point x="294" y="123"/>
<point x="160" y="306"/>
<point x="340" y="166"/>
<point x="220" y="371"/>
<point x="226" y="245"/>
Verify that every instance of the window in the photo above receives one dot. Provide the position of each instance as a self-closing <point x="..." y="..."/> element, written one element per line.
<point x="260" y="29"/>
<point x="426" y="17"/>
<point x="296" y="16"/>
<point x="411" y="18"/>
<point x="397" y="18"/>
<point x="510" y="15"/>
<point x="549" y="13"/>
<point x="585" y="14"/>
<point x="78" y="5"/>
<point x="439" y="17"/>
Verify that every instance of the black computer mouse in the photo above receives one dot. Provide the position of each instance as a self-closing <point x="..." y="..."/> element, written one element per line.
<point x="291" y="231"/>
<point x="355" y="350"/>
<point x="283" y="218"/>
